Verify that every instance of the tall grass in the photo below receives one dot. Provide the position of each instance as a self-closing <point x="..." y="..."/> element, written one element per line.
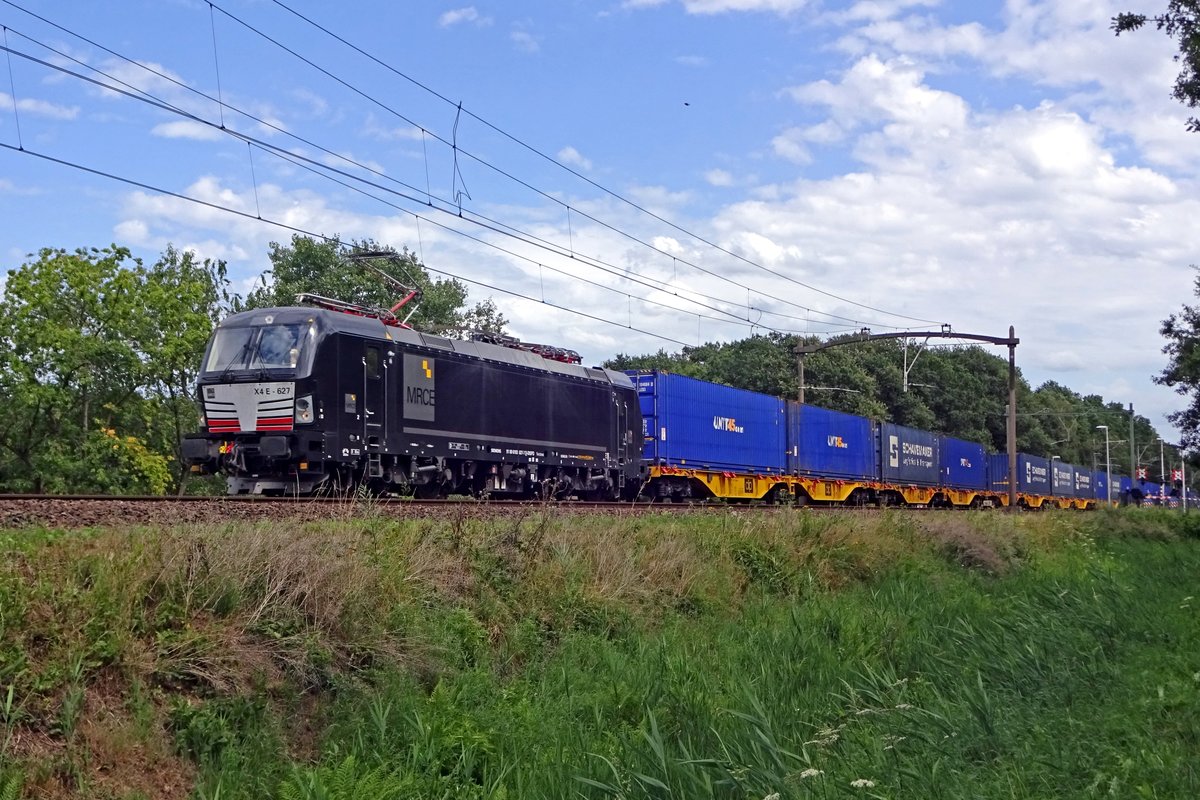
<point x="559" y="655"/>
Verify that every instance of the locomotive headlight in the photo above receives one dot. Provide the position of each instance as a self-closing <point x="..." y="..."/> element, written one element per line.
<point x="304" y="410"/>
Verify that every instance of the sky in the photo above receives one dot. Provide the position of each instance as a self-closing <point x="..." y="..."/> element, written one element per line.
<point x="624" y="177"/>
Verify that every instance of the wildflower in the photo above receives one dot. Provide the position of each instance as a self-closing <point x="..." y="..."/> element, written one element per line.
<point x="863" y="783"/>
<point x="830" y="739"/>
<point x="811" y="773"/>
<point x="827" y="736"/>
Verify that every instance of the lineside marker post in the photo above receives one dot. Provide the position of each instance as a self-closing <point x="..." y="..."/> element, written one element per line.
<point x="1012" y="419"/>
<point x="800" y="368"/>
<point x="1133" y="459"/>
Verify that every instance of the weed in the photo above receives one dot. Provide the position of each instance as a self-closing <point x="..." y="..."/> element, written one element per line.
<point x="562" y="654"/>
<point x="11" y="783"/>
<point x="964" y="544"/>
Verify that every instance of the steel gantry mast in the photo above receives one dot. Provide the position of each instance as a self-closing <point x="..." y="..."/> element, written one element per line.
<point x="1011" y="342"/>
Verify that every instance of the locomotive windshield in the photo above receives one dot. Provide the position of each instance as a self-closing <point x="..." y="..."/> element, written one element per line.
<point x="260" y="347"/>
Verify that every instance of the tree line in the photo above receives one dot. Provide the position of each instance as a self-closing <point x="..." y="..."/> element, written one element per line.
<point x="99" y="355"/>
<point x="958" y="391"/>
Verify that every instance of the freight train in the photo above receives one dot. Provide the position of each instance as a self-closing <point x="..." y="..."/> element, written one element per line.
<point x="325" y="397"/>
<point x="706" y="440"/>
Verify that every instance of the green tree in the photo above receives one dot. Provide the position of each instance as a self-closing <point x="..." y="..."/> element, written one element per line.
<point x="1181" y="21"/>
<point x="1182" y="373"/>
<point x="186" y="297"/>
<point x="662" y="360"/>
<point x="97" y="356"/>
<point x="322" y="268"/>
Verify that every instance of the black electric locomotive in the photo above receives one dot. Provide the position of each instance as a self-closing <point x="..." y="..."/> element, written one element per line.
<point x="299" y="400"/>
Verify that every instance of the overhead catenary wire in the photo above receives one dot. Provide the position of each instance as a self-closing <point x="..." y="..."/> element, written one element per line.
<point x="13" y="87"/>
<point x="167" y="106"/>
<point x="162" y="104"/>
<point x="481" y="220"/>
<point x="216" y="64"/>
<point x="484" y="162"/>
<point x="425" y="131"/>
<point x="321" y="236"/>
<point x="581" y="176"/>
<point x="296" y="160"/>
<point x="732" y="320"/>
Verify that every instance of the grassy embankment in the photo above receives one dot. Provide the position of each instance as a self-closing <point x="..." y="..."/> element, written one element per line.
<point x="724" y="655"/>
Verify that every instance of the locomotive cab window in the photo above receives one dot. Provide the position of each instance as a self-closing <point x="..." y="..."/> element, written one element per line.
<point x="261" y="347"/>
<point x="278" y="346"/>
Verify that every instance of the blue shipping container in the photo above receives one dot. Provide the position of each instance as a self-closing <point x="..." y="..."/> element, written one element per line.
<point x="830" y="444"/>
<point x="1062" y="479"/>
<point x="701" y="425"/>
<point x="1084" y="487"/>
<point x="963" y="464"/>
<point x="908" y="456"/>
<point x="1100" y="484"/>
<point x="1033" y="473"/>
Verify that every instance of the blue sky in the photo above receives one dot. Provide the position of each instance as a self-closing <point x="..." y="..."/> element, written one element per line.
<point x="976" y="163"/>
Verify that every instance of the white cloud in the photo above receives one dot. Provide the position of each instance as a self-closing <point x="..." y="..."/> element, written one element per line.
<point x="39" y="108"/>
<point x="156" y="80"/>
<point x="691" y="61"/>
<point x="1067" y="48"/>
<point x="718" y="177"/>
<point x="792" y="146"/>
<point x="317" y="105"/>
<point x="347" y="161"/>
<point x="376" y="130"/>
<point x="8" y="187"/>
<point x="1063" y="361"/>
<point x="569" y="155"/>
<point x="1022" y="216"/>
<point x="134" y="232"/>
<point x="722" y="6"/>
<point x="463" y="15"/>
<point x="875" y="10"/>
<point x="525" y="41"/>
<point x="873" y="90"/>
<point x="187" y="129"/>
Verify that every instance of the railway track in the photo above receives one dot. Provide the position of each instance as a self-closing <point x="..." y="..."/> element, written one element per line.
<point x="82" y="511"/>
